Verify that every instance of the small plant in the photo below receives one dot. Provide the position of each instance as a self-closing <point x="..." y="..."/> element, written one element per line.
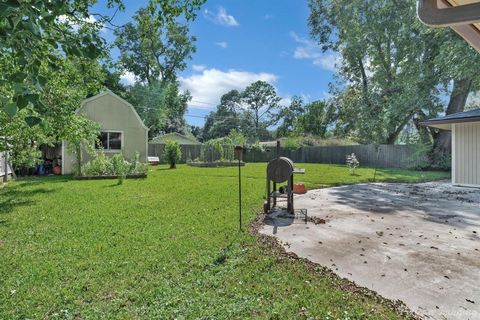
<point x="137" y="167"/>
<point x="352" y="163"/>
<point x="173" y="153"/>
<point x="119" y="167"/>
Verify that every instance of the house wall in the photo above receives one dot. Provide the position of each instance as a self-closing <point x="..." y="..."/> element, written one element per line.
<point x="113" y="114"/>
<point x="466" y="154"/>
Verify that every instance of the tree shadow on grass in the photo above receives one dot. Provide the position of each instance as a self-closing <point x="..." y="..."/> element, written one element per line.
<point x="20" y="194"/>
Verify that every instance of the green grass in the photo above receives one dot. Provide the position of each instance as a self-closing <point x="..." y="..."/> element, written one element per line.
<point x="162" y="247"/>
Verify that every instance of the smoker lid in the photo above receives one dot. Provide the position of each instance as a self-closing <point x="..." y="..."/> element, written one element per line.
<point x="280" y="169"/>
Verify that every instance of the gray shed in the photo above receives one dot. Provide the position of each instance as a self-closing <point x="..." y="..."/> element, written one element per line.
<point x="121" y="129"/>
<point x="465" y="128"/>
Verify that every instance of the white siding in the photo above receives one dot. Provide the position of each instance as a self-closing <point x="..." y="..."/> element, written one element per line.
<point x="466" y="154"/>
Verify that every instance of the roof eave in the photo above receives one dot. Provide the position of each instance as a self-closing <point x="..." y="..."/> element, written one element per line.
<point x="443" y="124"/>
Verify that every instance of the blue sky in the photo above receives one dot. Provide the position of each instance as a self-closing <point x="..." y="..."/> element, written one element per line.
<point x="241" y="41"/>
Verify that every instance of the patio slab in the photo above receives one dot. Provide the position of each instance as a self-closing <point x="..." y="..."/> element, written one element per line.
<point x="419" y="243"/>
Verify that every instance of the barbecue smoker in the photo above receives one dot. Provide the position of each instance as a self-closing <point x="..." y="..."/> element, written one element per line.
<point x="280" y="170"/>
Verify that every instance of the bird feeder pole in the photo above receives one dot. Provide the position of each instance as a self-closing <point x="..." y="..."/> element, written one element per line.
<point x="239" y="155"/>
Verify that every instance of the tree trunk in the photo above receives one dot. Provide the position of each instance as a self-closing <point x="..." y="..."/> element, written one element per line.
<point x="5" y="158"/>
<point x="392" y="138"/>
<point x="423" y="132"/>
<point x="442" y="142"/>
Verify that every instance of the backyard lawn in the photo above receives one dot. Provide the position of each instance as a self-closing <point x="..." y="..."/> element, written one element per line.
<point x="163" y="247"/>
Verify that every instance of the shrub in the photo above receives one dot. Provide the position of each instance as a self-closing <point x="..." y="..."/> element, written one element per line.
<point x="100" y="165"/>
<point x="119" y="167"/>
<point x="419" y="159"/>
<point x="172" y="152"/>
<point x="136" y="167"/>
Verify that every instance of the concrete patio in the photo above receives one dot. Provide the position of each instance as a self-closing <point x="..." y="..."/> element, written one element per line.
<point x="418" y="243"/>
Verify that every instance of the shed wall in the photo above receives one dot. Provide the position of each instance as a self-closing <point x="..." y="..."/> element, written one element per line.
<point x="466" y="154"/>
<point x="113" y="114"/>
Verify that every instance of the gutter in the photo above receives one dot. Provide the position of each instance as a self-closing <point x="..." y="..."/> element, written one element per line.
<point x="431" y="14"/>
<point x="450" y="121"/>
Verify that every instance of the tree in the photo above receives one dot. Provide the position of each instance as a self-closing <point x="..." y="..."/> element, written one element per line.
<point x="393" y="67"/>
<point x="261" y="102"/>
<point x="385" y="62"/>
<point x="315" y="119"/>
<point x="154" y="50"/>
<point x="173" y="153"/>
<point x="160" y="105"/>
<point x="19" y="140"/>
<point x="225" y="118"/>
<point x="288" y="115"/>
<point x="33" y="34"/>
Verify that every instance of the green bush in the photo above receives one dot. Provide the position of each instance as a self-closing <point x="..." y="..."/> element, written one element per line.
<point x="100" y="165"/>
<point x="419" y="160"/>
<point x="136" y="167"/>
<point x="172" y="153"/>
<point x="119" y="167"/>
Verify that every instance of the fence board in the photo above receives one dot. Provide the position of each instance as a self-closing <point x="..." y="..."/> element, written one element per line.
<point x="382" y="156"/>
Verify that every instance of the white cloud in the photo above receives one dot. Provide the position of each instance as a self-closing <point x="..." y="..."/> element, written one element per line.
<point x="310" y="51"/>
<point x="221" y="17"/>
<point x="222" y="44"/>
<point x="208" y="86"/>
<point x="198" y="67"/>
<point x="127" y="78"/>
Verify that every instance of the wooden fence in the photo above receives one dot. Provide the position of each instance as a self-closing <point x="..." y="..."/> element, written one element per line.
<point x="382" y="156"/>
<point x="2" y="166"/>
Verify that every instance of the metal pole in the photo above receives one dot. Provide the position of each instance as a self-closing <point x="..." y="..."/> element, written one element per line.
<point x="240" y="194"/>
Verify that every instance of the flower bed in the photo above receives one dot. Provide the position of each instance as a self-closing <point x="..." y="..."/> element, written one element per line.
<point x="103" y="177"/>
<point x="115" y="167"/>
<point x="215" y="164"/>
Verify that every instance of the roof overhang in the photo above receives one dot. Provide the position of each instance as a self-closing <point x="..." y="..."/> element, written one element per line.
<point x="447" y="123"/>
<point x="463" y="16"/>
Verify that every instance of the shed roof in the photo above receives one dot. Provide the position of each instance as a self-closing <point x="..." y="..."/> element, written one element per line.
<point x="175" y="136"/>
<point x="445" y="122"/>
<point x="110" y="93"/>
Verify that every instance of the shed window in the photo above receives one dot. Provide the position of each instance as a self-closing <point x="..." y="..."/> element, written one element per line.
<point x="110" y="141"/>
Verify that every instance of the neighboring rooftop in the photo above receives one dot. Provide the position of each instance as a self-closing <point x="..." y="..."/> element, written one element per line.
<point x="446" y="121"/>
<point x="180" y="138"/>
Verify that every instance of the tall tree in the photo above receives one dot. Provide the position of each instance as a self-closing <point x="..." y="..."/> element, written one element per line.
<point x="383" y="54"/>
<point x="288" y="115"/>
<point x="225" y="118"/>
<point x="260" y="101"/>
<point x="316" y="118"/>
<point x="160" y="105"/>
<point x="154" y="50"/>
<point x="393" y="67"/>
